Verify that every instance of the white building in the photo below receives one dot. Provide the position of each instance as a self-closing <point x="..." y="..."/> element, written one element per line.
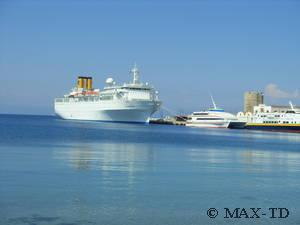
<point x="262" y="108"/>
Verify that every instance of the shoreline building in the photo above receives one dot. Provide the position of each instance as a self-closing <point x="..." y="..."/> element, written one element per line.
<point x="262" y="108"/>
<point x="251" y="99"/>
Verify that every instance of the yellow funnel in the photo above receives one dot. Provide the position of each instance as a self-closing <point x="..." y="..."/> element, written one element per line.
<point x="80" y="82"/>
<point x="89" y="83"/>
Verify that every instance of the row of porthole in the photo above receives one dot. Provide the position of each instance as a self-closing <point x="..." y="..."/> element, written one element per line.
<point x="284" y="122"/>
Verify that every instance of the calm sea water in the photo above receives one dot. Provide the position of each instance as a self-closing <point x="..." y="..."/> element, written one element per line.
<point x="71" y="173"/>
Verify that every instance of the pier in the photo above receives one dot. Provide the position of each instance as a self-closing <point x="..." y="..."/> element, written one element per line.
<point x="179" y="120"/>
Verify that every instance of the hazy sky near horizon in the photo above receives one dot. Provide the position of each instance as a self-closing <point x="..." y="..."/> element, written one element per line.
<point x="185" y="49"/>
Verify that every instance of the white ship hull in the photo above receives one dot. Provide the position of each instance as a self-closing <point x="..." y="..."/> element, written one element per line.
<point x="113" y="111"/>
<point x="132" y="102"/>
<point x="209" y="124"/>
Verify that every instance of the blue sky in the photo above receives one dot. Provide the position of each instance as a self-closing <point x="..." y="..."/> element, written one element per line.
<point x="186" y="49"/>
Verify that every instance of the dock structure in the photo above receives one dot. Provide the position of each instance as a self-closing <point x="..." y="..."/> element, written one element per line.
<point x="179" y="120"/>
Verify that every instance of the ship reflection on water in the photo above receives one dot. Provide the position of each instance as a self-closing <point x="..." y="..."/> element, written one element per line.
<point x="249" y="161"/>
<point x="97" y="173"/>
<point x="130" y="157"/>
<point x="133" y="180"/>
<point x="108" y="157"/>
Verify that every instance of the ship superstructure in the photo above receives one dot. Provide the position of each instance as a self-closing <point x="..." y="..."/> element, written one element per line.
<point x="130" y="102"/>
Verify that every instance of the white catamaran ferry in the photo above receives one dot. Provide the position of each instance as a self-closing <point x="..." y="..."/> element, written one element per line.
<point x="132" y="102"/>
<point x="212" y="118"/>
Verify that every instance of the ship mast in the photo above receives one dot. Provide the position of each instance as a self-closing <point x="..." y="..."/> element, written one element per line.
<point x="291" y="105"/>
<point x="213" y="101"/>
<point x="136" y="74"/>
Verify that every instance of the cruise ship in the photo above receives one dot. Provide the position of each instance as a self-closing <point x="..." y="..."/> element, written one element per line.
<point x="130" y="102"/>
<point x="288" y="121"/>
<point x="212" y="118"/>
